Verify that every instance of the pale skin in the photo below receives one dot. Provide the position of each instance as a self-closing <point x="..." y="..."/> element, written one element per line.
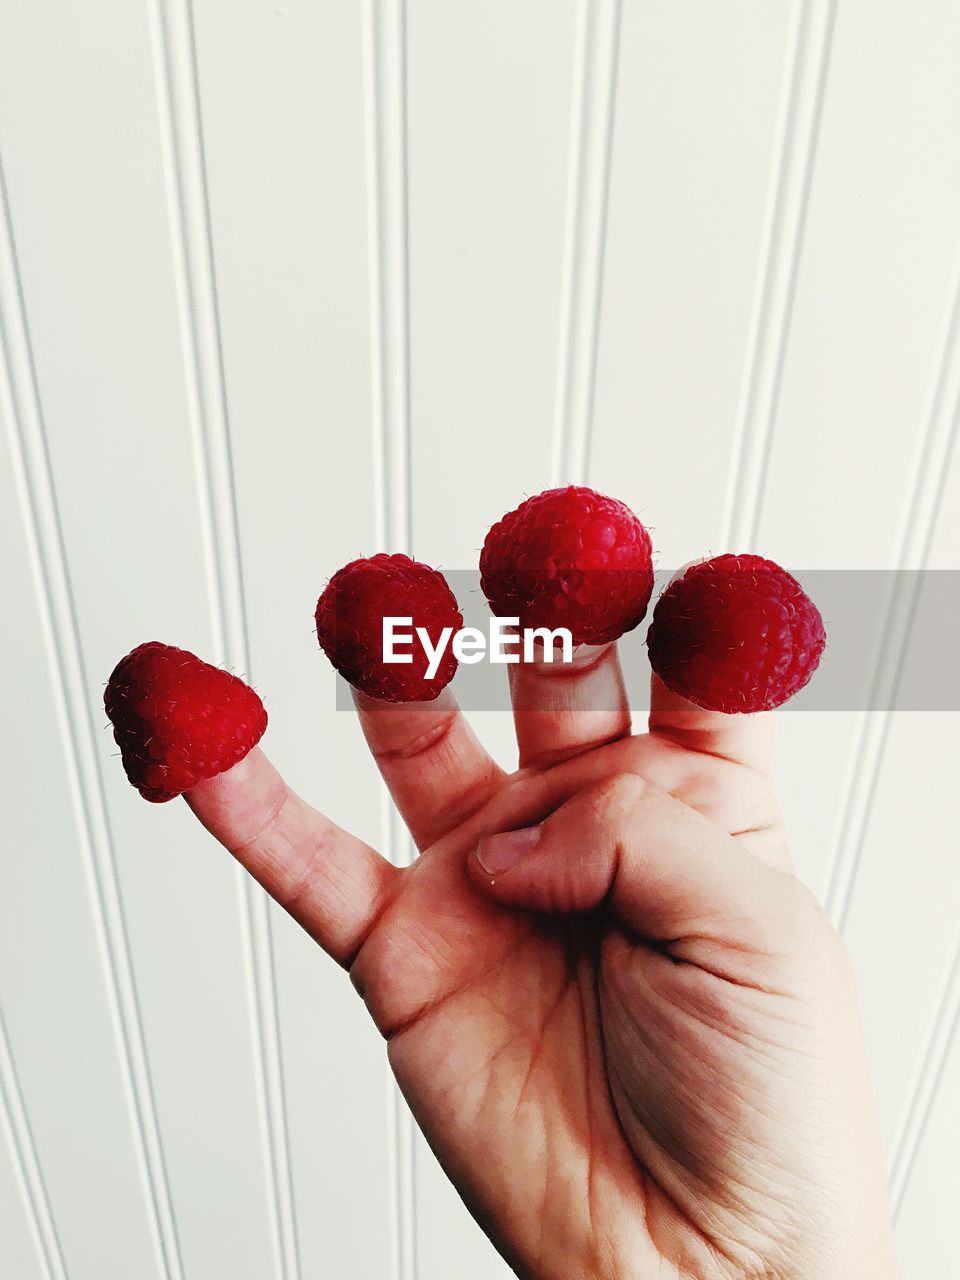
<point x="626" y="1029"/>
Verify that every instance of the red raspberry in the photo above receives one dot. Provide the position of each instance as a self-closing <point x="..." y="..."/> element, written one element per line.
<point x="569" y="558"/>
<point x="177" y="719"/>
<point x="736" y="633"/>
<point x="350" y="616"/>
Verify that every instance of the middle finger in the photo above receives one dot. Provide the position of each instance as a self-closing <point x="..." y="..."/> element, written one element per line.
<point x="561" y="709"/>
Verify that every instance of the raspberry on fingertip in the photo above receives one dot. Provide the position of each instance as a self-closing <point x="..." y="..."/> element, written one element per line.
<point x="735" y="633"/>
<point x="350" y="626"/>
<point x="177" y="719"/>
<point x="569" y="558"/>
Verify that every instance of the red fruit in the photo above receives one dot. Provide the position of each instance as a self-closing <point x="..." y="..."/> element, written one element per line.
<point x="350" y="616"/>
<point x="176" y="719"/>
<point x="569" y="558"/>
<point x="736" y="633"/>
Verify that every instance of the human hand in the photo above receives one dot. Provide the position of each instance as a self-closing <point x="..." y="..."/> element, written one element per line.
<point x="635" y="1050"/>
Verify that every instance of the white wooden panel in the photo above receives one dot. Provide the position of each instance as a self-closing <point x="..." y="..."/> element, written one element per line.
<point x="865" y="350"/>
<point x="55" y="1009"/>
<point x="902" y="927"/>
<point x="101" y="298"/>
<point x="694" y="132"/>
<point x="703" y="256"/>
<point x="489" y="146"/>
<point x="287" y="185"/>
<point x="20" y="1254"/>
<point x="903" y="923"/>
<point x="874" y="287"/>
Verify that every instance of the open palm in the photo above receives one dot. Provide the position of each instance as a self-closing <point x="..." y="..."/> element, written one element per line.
<point x="626" y="1030"/>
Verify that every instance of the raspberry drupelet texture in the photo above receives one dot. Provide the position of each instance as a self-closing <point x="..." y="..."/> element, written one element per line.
<point x="177" y="719"/>
<point x="350" y="616"/>
<point x="569" y="558"/>
<point x="735" y="633"/>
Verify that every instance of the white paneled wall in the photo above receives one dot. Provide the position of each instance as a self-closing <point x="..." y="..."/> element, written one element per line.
<point x="284" y="283"/>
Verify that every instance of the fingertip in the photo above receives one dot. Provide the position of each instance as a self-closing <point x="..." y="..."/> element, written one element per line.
<point x="232" y="804"/>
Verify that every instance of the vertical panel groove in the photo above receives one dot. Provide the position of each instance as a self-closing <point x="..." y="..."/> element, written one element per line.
<point x="386" y="129"/>
<point x="19" y="395"/>
<point x="916" y="539"/>
<point x="779" y="266"/>
<point x="919" y="527"/>
<point x="26" y="1166"/>
<point x="926" y="1087"/>
<point x="384" y="57"/>
<point x="192" y="245"/>
<point x="591" y="140"/>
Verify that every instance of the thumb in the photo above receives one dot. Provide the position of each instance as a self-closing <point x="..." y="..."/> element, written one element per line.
<point x="662" y="869"/>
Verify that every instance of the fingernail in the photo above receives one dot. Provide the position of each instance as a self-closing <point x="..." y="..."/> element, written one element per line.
<point x="499" y="853"/>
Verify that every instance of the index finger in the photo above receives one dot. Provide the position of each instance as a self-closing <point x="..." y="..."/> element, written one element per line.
<point x="332" y="884"/>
